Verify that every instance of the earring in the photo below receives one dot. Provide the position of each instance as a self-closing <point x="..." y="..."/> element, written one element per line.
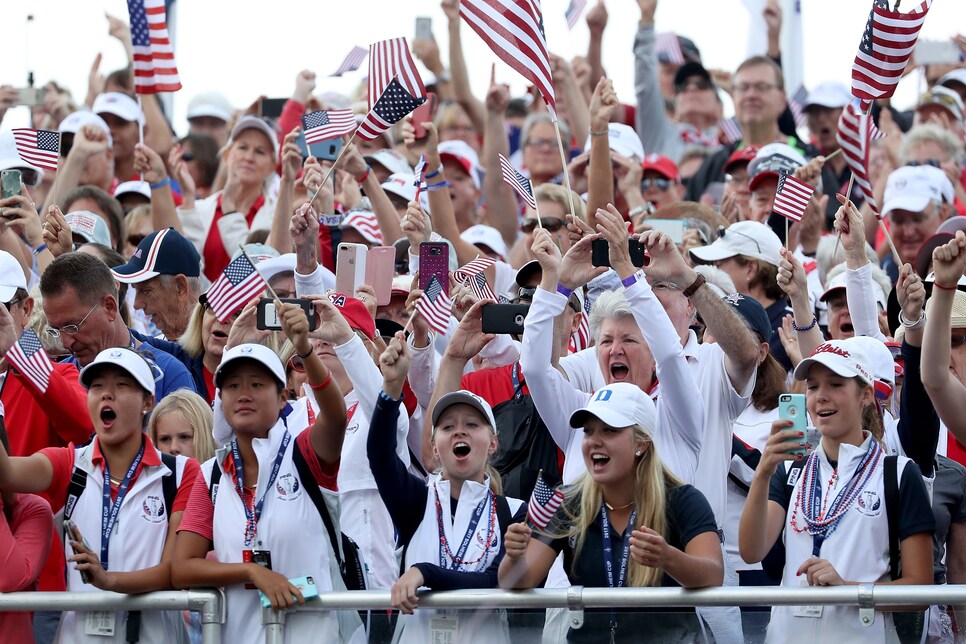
<point x="638" y="453"/>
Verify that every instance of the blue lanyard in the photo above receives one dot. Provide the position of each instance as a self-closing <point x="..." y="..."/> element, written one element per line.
<point x="515" y="376"/>
<point x="609" y="548"/>
<point x="455" y="560"/>
<point x="109" y="511"/>
<point x="253" y="513"/>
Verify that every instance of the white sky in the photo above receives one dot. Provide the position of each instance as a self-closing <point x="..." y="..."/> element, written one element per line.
<point x="244" y="49"/>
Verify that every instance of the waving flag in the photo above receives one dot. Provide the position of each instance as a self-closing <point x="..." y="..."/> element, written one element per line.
<point x="518" y="182"/>
<point x="797" y="105"/>
<point x="322" y="125"/>
<point x="574" y="9"/>
<point x="886" y="46"/>
<point x="30" y="359"/>
<point x="234" y="288"/>
<point x="472" y="273"/>
<point x="668" y="45"/>
<point x="38" y="147"/>
<point x="474" y="267"/>
<point x="792" y="197"/>
<point x="435" y="306"/>
<point x="154" y="67"/>
<point x="855" y="134"/>
<point x="730" y="130"/>
<point x="543" y="503"/>
<point x="390" y="60"/>
<point x="394" y="104"/>
<point x="353" y="60"/>
<point x="513" y="29"/>
<point x="580" y="339"/>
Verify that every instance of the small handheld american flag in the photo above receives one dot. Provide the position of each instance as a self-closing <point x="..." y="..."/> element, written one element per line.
<point x="574" y="9"/>
<point x="797" y="105"/>
<point x="352" y="60"/>
<point x="543" y="503"/>
<point x="390" y="60"/>
<point x="855" y="134"/>
<point x="420" y="171"/>
<point x="518" y="182"/>
<point x="667" y="43"/>
<point x="792" y="197"/>
<point x="730" y="130"/>
<point x="236" y="286"/>
<point x="30" y="359"/>
<point x="435" y="306"/>
<point x="38" y="147"/>
<point x="321" y="125"/>
<point x="394" y="104"/>
<point x="472" y="273"/>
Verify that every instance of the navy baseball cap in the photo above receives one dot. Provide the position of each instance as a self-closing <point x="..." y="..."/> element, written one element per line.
<point x="165" y="252"/>
<point x="752" y="312"/>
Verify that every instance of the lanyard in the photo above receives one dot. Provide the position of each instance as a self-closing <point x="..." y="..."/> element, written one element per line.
<point x="109" y="511"/>
<point x="609" y="553"/>
<point x="254" y="512"/>
<point x="517" y="385"/>
<point x="446" y="558"/>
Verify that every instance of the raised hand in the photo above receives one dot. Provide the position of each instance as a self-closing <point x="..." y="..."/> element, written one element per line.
<point x="20" y="213"/>
<point x="304" y="86"/>
<point x="394" y="363"/>
<point x="291" y="157"/>
<point x="667" y="263"/>
<point x="416" y="226"/>
<point x="516" y="540"/>
<point x="596" y="18"/>
<point x="304" y="226"/>
<point x="949" y="261"/>
<point x="781" y="442"/>
<point x="603" y="105"/>
<point x="545" y="251"/>
<point x="611" y="225"/>
<point x="911" y="293"/>
<point x="468" y="339"/>
<point x="149" y="163"/>
<point x="333" y="328"/>
<point x="57" y="234"/>
<point x="295" y="325"/>
<point x="576" y="268"/>
<point x="791" y="275"/>
<point x="179" y="168"/>
<point x="498" y="96"/>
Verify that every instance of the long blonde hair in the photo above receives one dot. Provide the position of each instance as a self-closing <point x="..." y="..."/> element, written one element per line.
<point x="583" y="499"/>
<point x="197" y="414"/>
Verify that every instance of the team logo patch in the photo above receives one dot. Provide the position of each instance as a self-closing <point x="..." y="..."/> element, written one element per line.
<point x="869" y="503"/>
<point x="793" y="475"/>
<point x="288" y="488"/>
<point x="152" y="509"/>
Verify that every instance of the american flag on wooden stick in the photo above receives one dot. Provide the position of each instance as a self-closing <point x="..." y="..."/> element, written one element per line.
<point x="543" y="503"/>
<point x="518" y="182"/>
<point x="235" y="287"/>
<point x="321" y="125"/>
<point x="390" y="60"/>
<point x="855" y="134"/>
<point x="38" y="147"/>
<point x="352" y="61"/>
<point x="394" y="104"/>
<point x="791" y="197"/>
<point x="154" y="66"/>
<point x="574" y="9"/>
<point x="30" y="359"/>
<point x="435" y="306"/>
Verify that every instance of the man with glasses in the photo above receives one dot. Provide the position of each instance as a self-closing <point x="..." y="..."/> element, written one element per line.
<point x="661" y="181"/>
<point x="82" y="309"/>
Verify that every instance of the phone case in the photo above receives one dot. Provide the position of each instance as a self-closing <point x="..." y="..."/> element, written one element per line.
<point x="9" y="183"/>
<point x="600" y="254"/>
<point x="266" y="316"/>
<point x="380" y="265"/>
<point x="350" y="268"/>
<point x="792" y="407"/>
<point x="504" y="318"/>
<point x="434" y="260"/>
<point x="423" y="113"/>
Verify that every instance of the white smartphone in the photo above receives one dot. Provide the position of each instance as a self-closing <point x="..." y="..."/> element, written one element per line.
<point x="350" y="268"/>
<point x="673" y="228"/>
<point x="424" y="27"/>
<point x="936" y="52"/>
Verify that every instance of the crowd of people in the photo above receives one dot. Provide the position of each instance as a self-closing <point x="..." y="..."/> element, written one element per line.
<point x="753" y="402"/>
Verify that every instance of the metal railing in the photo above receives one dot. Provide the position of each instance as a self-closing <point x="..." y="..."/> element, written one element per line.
<point x="210" y="603"/>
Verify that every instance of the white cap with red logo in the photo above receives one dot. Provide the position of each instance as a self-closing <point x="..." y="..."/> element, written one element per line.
<point x="844" y="357"/>
<point x="466" y="156"/>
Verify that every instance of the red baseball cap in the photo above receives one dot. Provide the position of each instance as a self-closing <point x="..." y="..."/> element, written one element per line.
<point x="662" y="165"/>
<point x="355" y="313"/>
<point x="744" y="155"/>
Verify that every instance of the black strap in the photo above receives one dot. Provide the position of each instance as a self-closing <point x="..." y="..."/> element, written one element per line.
<point x="312" y="488"/>
<point x="503" y="515"/>
<point x="891" y="482"/>
<point x="169" y="484"/>
<point x="78" y="481"/>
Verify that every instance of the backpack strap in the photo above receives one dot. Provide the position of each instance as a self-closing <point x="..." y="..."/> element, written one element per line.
<point x="891" y="481"/>
<point x="169" y="484"/>
<point x="78" y="481"/>
<point x="312" y="489"/>
<point x="213" y="482"/>
<point x="503" y="515"/>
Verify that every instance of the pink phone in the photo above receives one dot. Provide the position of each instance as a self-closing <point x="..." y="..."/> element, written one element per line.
<point x="380" y="266"/>
<point x="350" y="268"/>
<point x="434" y="260"/>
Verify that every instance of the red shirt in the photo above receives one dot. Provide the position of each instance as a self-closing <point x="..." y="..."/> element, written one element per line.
<point x="24" y="544"/>
<point x="493" y="385"/>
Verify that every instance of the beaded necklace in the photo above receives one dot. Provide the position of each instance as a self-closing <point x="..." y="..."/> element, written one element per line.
<point x="457" y="560"/>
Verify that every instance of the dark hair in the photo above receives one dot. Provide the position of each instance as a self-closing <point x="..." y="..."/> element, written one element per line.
<point x="769" y="383"/>
<point x="109" y="206"/>
<point x="86" y="274"/>
<point x="120" y="77"/>
<point x="757" y="61"/>
<point x="766" y="277"/>
<point x="205" y="151"/>
<point x="257" y="236"/>
<point x="113" y="258"/>
<point x="234" y="364"/>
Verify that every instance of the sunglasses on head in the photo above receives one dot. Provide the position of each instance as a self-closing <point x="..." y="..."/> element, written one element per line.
<point x="933" y="162"/>
<point x="660" y="184"/>
<point x="552" y="224"/>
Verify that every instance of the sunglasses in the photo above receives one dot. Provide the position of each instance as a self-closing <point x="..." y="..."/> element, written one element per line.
<point x="933" y="162"/>
<point x="552" y="224"/>
<point x="295" y="362"/>
<point x="14" y="302"/>
<point x="660" y="184"/>
<point x="187" y="156"/>
<point x="693" y="84"/>
<point x="957" y="341"/>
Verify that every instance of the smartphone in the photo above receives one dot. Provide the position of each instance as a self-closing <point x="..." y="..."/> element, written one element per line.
<point x="9" y="183"/>
<point x="673" y="228"/>
<point x="271" y="108"/>
<point x="936" y="52"/>
<point x="423" y="113"/>
<point x="600" y="253"/>
<point x="504" y="318"/>
<point x="792" y="407"/>
<point x="30" y="96"/>
<point x="380" y="266"/>
<point x="424" y="27"/>
<point x="434" y="260"/>
<point x="350" y="268"/>
<point x="306" y="586"/>
<point x="69" y="535"/>
<point x="266" y="318"/>
<point x="327" y="150"/>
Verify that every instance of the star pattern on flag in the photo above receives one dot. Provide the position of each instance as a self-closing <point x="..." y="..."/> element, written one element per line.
<point x="315" y="119"/>
<point x="396" y="102"/>
<point x="139" y="29"/>
<point x="30" y="359"/>
<point x="543" y="503"/>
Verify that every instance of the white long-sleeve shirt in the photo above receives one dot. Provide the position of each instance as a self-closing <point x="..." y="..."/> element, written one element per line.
<point x="863" y="309"/>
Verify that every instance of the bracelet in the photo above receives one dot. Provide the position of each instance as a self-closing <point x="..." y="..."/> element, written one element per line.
<point x="365" y="175"/>
<point x="40" y="249"/>
<point x="161" y="184"/>
<point x="438" y="186"/>
<point x="322" y="386"/>
<point x="563" y="290"/>
<point x="629" y="281"/>
<point x="802" y="329"/>
<point x="433" y="174"/>
<point x="946" y="288"/>
<point x="913" y="325"/>
<point x="695" y="285"/>
<point x="307" y="353"/>
<point x="601" y="133"/>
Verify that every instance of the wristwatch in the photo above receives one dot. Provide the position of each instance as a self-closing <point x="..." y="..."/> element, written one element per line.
<point x="695" y="285"/>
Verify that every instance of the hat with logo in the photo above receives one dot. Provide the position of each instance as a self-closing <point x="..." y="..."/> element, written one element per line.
<point x="945" y="98"/>
<point x="163" y="252"/>
<point x="255" y="123"/>
<point x="844" y="357"/>
<point x="404" y="185"/>
<point x="90" y="227"/>
<point x="752" y="312"/>
<point x="390" y="160"/>
<point x="466" y="156"/>
<point x="620" y="404"/>
<point x="837" y="283"/>
<point x="830" y="94"/>
<point x="74" y="121"/>
<point x="211" y="104"/>
<point x="742" y="155"/>
<point x="771" y="161"/>
<point x="12" y="277"/>
<point x="133" y="187"/>
<point x="488" y="236"/>
<point x="120" y="105"/>
<point x="463" y="397"/>
<point x="882" y="362"/>
<point x="748" y="238"/>
<point x="624" y="140"/>
<point x="123" y="358"/>
<point x="355" y="313"/>
<point x="256" y="352"/>
<point x="661" y="165"/>
<point x="911" y="188"/>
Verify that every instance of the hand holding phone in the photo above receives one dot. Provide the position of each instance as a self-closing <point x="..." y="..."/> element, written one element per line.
<point x="73" y="534"/>
<point x="600" y="253"/>
<point x="10" y="183"/>
<point x="267" y="314"/>
<point x="792" y="407"/>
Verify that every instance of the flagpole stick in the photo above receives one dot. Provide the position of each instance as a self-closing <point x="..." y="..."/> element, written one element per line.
<point x="848" y="196"/>
<point x="409" y="322"/>
<point x="834" y="154"/>
<point x="141" y="128"/>
<point x="536" y="209"/>
<point x="563" y="163"/>
<point x="332" y="168"/>
<point x="267" y="285"/>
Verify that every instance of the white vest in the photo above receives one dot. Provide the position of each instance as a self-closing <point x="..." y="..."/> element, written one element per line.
<point x="483" y="626"/>
<point x="136" y="543"/>
<point x="292" y="530"/>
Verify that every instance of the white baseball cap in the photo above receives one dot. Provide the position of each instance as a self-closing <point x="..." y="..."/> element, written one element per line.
<point x="463" y="397"/>
<point x="120" y="105"/>
<point x="830" y="94"/>
<point x="620" y="404"/>
<point x="123" y="358"/>
<point x="403" y="184"/>
<point x="257" y="352"/>
<point x="955" y="76"/>
<point x="133" y="187"/>
<point x="913" y="187"/>
<point x="883" y="364"/>
<point x="749" y="238"/>
<point x="482" y="235"/>
<point x="12" y="276"/>
<point x="624" y="140"/>
<point x="272" y="266"/>
<point x="945" y="98"/>
<point x="255" y="123"/>
<point x="466" y="156"/>
<point x="211" y="104"/>
<point x="74" y="121"/>
<point x="90" y="226"/>
<point x="390" y="160"/>
<point x="838" y="283"/>
<point x="844" y="357"/>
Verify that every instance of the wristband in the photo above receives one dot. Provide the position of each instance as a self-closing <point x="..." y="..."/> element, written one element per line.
<point x="802" y="329"/>
<point x="433" y="174"/>
<point x="946" y="288"/>
<point x="160" y="184"/>
<point x="913" y="325"/>
<point x="438" y="186"/>
<point x="601" y="133"/>
<point x="307" y="353"/>
<point x="629" y="281"/>
<point x="40" y="249"/>
<point x="563" y="290"/>
<point x="323" y="385"/>
<point x="695" y="285"/>
<point x="364" y="176"/>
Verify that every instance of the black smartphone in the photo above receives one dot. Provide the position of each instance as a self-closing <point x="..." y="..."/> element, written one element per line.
<point x="271" y="108"/>
<point x="267" y="314"/>
<point x="69" y="534"/>
<point x="504" y="318"/>
<point x="600" y="253"/>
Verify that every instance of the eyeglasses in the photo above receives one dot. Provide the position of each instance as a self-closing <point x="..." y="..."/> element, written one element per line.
<point x="659" y="184"/>
<point x="296" y="363"/>
<point x="957" y="341"/>
<point x="14" y="302"/>
<point x="693" y="84"/>
<point x="933" y="162"/>
<point x="758" y="88"/>
<point x="722" y="231"/>
<point x="552" y="224"/>
<point x="70" y="329"/>
<point x="541" y="143"/>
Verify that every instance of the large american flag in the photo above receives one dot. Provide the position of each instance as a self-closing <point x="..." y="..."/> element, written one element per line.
<point x="394" y="104"/>
<point x="797" y="105"/>
<point x="235" y="287"/>
<point x="513" y="29"/>
<point x="518" y="182"/>
<point x="886" y="46"/>
<point x="38" y="147"/>
<point x="352" y="61"/>
<point x="30" y="359"/>
<point x="667" y="43"/>
<point x="322" y="125"/>
<point x="390" y="60"/>
<point x="154" y="67"/>
<point x="855" y="133"/>
<point x="574" y="9"/>
<point x="580" y="339"/>
<point x="365" y="222"/>
<point x="543" y="503"/>
<point x="435" y="306"/>
<point x="792" y="197"/>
